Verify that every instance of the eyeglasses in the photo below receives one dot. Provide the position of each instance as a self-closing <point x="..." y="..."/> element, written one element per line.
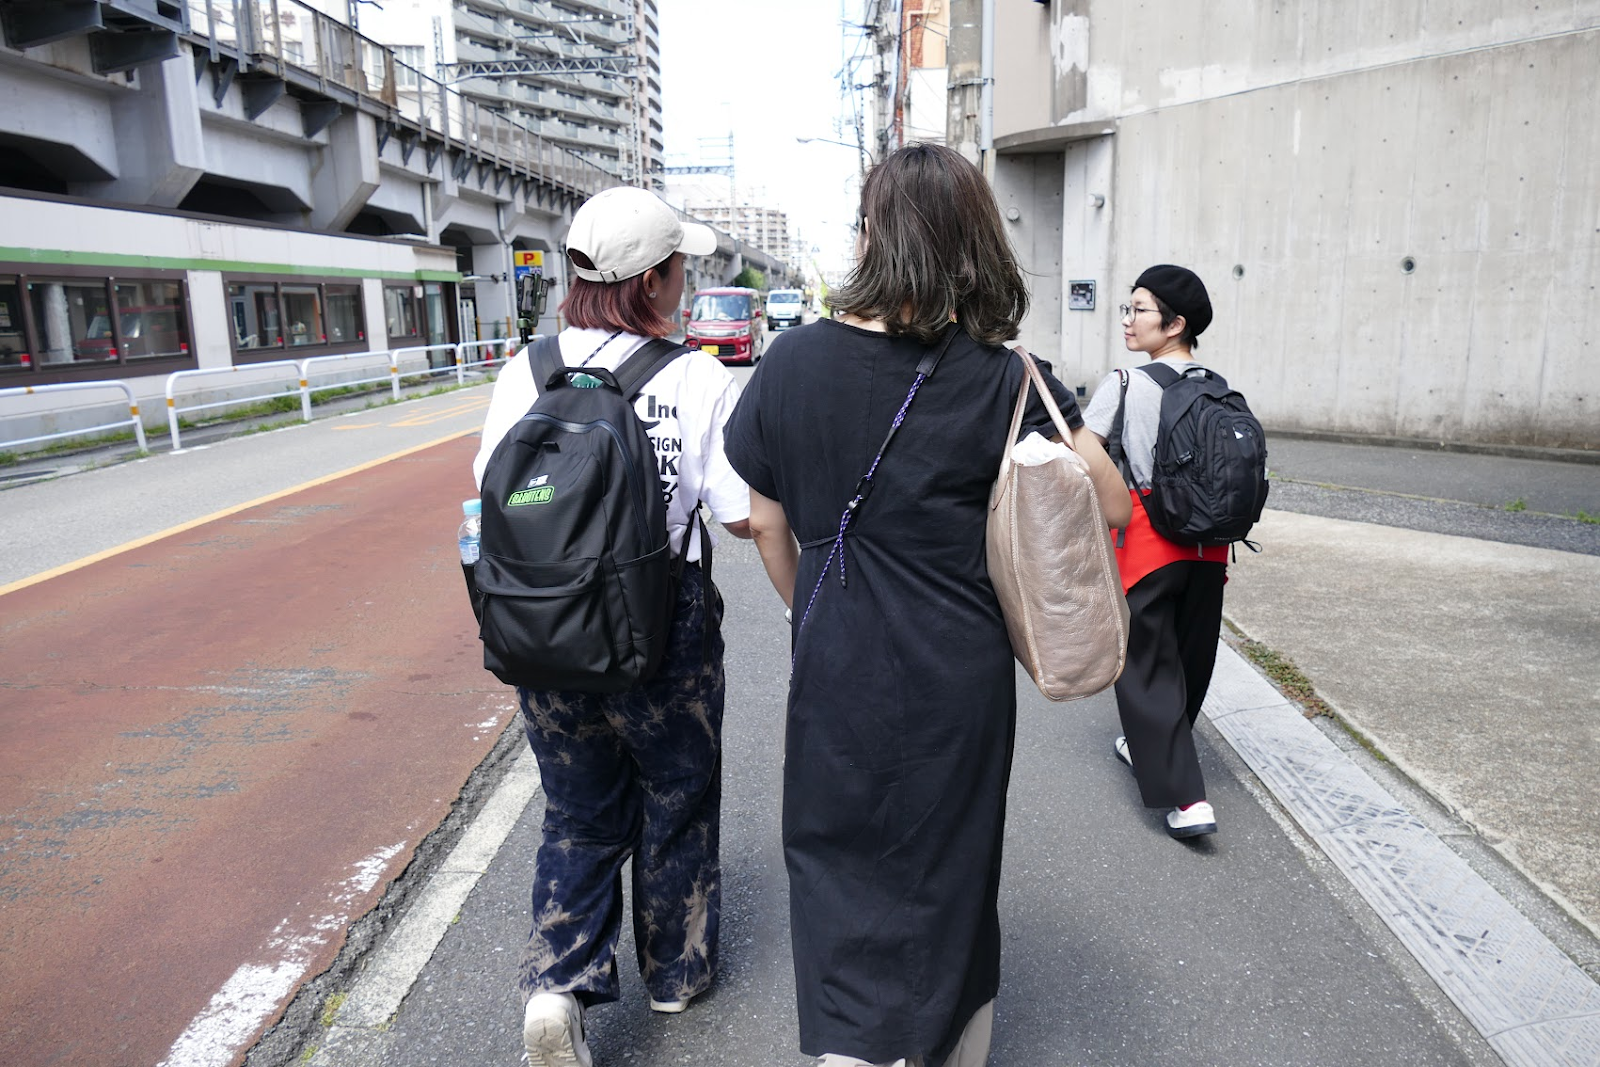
<point x="1129" y="311"/>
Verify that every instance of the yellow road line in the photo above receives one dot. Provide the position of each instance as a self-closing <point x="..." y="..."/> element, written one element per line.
<point x="425" y="418"/>
<point x="66" y="568"/>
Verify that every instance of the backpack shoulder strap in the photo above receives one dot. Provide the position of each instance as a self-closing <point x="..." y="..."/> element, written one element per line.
<point x="645" y="364"/>
<point x="1114" y="443"/>
<point x="1160" y="373"/>
<point x="544" y="361"/>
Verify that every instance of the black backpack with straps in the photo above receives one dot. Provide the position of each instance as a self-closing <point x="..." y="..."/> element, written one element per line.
<point x="576" y="581"/>
<point x="1209" y="480"/>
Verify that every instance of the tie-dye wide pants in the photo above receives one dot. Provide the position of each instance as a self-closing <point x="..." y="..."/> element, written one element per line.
<point x="632" y="774"/>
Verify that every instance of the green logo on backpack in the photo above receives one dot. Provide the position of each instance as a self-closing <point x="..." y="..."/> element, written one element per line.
<point x="542" y="494"/>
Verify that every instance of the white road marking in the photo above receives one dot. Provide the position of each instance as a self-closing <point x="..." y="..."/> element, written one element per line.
<point x="358" y="1035"/>
<point x="259" y="988"/>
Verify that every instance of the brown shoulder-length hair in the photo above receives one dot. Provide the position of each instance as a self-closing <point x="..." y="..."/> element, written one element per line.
<point x="935" y="247"/>
<point x="620" y="305"/>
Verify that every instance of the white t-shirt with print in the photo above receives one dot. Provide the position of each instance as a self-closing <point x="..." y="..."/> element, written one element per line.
<point x="683" y="408"/>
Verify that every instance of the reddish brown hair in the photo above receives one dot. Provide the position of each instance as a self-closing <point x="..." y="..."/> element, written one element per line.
<point x="620" y="305"/>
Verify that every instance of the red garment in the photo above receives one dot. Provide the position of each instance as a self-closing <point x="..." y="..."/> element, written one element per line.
<point x="1141" y="550"/>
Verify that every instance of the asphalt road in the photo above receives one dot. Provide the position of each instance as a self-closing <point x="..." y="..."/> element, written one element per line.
<point x="1494" y="498"/>
<point x="225" y="739"/>
<point x="1123" y="947"/>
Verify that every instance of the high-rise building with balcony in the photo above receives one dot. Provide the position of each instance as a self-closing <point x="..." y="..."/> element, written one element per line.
<point x="585" y="74"/>
<point x="764" y="227"/>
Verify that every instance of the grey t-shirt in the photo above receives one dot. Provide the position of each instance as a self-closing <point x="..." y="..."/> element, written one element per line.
<point x="1141" y="420"/>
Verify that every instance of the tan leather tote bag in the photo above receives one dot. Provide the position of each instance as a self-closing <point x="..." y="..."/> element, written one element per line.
<point x="1052" y="566"/>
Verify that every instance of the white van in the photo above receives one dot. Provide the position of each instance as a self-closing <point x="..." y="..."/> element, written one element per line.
<point x="785" y="307"/>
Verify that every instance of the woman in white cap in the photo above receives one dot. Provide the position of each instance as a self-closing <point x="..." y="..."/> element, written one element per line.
<point x="636" y="773"/>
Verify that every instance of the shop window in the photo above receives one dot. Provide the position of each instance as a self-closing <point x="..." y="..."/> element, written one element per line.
<point x="72" y="328"/>
<point x="302" y="315"/>
<point x="433" y="301"/>
<point x="344" y="314"/>
<point x="152" y="319"/>
<point x="256" y="321"/>
<point x="73" y="321"/>
<point x="402" y="309"/>
<point x="14" y="351"/>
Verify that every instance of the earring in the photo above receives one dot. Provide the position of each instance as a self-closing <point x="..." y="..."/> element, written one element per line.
<point x="652" y="296"/>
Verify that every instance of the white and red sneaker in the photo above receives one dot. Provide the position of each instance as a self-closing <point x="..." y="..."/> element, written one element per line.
<point x="1196" y="819"/>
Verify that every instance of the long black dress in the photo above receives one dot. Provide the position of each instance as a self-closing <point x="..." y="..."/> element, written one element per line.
<point x="902" y="705"/>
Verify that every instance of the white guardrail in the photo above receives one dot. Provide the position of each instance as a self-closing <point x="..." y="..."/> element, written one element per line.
<point x="395" y="365"/>
<point x="133" y="411"/>
<point x="303" y="368"/>
<point x="467" y="353"/>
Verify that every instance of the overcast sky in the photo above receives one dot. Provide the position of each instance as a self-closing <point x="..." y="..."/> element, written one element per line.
<point x="767" y="71"/>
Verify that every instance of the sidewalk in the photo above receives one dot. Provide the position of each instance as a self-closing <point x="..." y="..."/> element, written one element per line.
<point x="1473" y="666"/>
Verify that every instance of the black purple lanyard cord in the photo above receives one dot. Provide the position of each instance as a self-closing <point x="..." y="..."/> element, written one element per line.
<point x="864" y="486"/>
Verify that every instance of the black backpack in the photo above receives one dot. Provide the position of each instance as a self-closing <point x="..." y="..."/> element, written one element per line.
<point x="576" y="580"/>
<point x="1210" y="473"/>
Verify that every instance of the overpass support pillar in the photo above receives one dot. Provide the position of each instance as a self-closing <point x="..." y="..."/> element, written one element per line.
<point x="348" y="172"/>
<point x="160" y="143"/>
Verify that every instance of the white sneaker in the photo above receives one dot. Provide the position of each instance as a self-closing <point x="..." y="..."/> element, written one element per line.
<point x="1198" y="818"/>
<point x="1120" y="746"/>
<point x="552" y="1031"/>
<point x="669" y="1007"/>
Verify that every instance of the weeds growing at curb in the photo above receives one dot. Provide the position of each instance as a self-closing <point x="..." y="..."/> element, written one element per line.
<point x="1584" y="516"/>
<point x="330" y="1010"/>
<point x="1283" y="674"/>
<point x="1518" y="504"/>
<point x="1292" y="683"/>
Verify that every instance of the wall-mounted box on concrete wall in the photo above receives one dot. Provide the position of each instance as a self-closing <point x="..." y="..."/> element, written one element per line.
<point x="1080" y="296"/>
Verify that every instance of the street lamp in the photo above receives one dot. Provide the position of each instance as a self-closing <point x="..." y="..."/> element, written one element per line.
<point x="862" y="158"/>
<point x="825" y="140"/>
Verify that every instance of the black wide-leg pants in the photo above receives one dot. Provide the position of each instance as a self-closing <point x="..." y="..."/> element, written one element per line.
<point x="1175" y="616"/>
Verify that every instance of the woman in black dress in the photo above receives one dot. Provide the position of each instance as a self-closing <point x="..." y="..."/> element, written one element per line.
<point x="902" y="701"/>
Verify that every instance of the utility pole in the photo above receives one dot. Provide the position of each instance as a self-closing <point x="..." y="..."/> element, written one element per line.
<point x="883" y="23"/>
<point x="965" y="87"/>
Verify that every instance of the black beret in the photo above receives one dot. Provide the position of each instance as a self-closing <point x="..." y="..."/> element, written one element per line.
<point x="1181" y="290"/>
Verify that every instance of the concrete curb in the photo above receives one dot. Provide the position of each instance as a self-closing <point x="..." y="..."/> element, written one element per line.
<point x="1529" y="1000"/>
<point x="359" y="1034"/>
<point x="1477" y="448"/>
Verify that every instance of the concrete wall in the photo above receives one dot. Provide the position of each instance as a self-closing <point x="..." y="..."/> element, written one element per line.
<point x="1396" y="207"/>
<point x="1028" y="191"/>
<point x="41" y="232"/>
<point x="50" y="226"/>
<point x="1022" y="66"/>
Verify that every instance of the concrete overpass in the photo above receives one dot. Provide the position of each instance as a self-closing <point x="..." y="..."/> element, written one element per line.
<point x="273" y="111"/>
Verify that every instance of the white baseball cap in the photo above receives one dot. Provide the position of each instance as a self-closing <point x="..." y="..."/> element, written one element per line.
<point x="625" y="231"/>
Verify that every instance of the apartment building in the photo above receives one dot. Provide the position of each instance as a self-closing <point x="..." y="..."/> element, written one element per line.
<point x="584" y="74"/>
<point x="764" y="227"/>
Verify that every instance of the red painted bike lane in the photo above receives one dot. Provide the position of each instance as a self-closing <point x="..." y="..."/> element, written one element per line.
<point x="219" y="749"/>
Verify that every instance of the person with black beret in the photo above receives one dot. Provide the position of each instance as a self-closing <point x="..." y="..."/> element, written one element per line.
<point x="1174" y="591"/>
